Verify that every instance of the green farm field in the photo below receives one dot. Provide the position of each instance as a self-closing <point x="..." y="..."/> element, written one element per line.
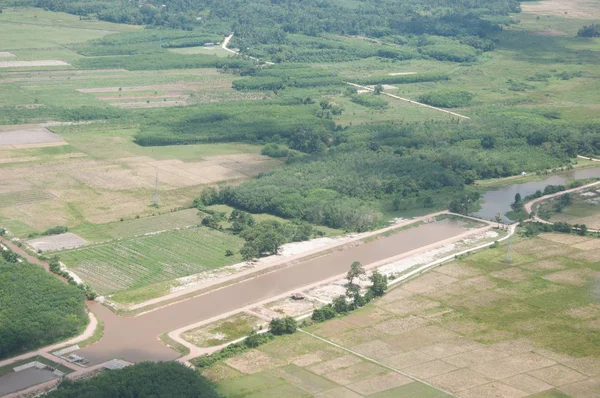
<point x="132" y="266"/>
<point x="135" y="227"/>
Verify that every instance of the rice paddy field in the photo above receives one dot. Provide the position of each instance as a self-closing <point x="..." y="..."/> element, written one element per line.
<point x="135" y="263"/>
<point x="480" y="326"/>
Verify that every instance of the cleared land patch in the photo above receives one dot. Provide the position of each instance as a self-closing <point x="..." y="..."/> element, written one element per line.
<point x="25" y="64"/>
<point x="138" y="262"/>
<point x="34" y="135"/>
<point x="223" y="331"/>
<point x="57" y="242"/>
<point x="5" y="54"/>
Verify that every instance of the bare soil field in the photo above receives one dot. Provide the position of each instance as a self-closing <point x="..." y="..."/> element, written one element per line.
<point x="583" y="9"/>
<point x="215" y="89"/>
<point x="101" y="178"/>
<point x="33" y="135"/>
<point x="148" y="104"/>
<point x="26" y="64"/>
<point x="67" y="240"/>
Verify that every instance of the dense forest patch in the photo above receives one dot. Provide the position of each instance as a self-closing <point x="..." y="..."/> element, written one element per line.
<point x="146" y="379"/>
<point x="36" y="308"/>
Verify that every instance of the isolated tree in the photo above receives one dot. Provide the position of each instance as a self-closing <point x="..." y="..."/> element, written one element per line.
<point x="378" y="89"/>
<point x="356" y="271"/>
<point x="380" y="284"/>
<point x="518" y="198"/>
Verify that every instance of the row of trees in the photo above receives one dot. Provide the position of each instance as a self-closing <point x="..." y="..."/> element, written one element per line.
<point x="353" y="298"/>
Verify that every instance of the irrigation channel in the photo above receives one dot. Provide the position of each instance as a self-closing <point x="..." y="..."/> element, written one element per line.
<point x="135" y="338"/>
<point x="499" y="200"/>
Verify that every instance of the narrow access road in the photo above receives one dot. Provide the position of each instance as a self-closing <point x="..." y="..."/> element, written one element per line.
<point x="226" y="42"/>
<point x="411" y="101"/>
<point x="529" y="205"/>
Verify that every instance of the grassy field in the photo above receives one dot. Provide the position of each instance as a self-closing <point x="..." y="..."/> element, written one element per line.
<point x="223" y="331"/>
<point x="475" y="327"/>
<point x="138" y="265"/>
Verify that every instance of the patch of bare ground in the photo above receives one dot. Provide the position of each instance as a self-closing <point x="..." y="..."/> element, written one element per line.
<point x="137" y="97"/>
<point x="492" y="390"/>
<point x="588" y="312"/>
<point x="511" y="274"/>
<point x="450" y="348"/>
<point x="526" y="383"/>
<point x="557" y="375"/>
<point x="354" y="373"/>
<point x="430" y="369"/>
<point x="379" y="383"/>
<point x="67" y="240"/>
<point x="5" y="54"/>
<point x="412" y="305"/>
<point x="428" y="282"/>
<point x="513" y="365"/>
<point x="368" y="318"/>
<point x="593" y="244"/>
<point x="577" y="277"/>
<point x="563" y="238"/>
<point x="27" y="136"/>
<point x="582" y="9"/>
<point x="401" y="325"/>
<point x="474" y="357"/>
<point x="408" y="359"/>
<point x="290" y="307"/>
<point x="355" y="336"/>
<point x="27" y="64"/>
<point x="460" y="380"/>
<point x="591" y="256"/>
<point x="555" y="252"/>
<point x="253" y="361"/>
<point x="544" y="265"/>
<point x="377" y="349"/>
<point x="586" y="388"/>
<point x="456" y="270"/>
<point x="149" y="104"/>
<point x="335" y="364"/>
<point x="307" y="359"/>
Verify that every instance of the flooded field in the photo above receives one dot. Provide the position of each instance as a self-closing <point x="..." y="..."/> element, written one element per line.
<point x="135" y="339"/>
<point x="499" y="200"/>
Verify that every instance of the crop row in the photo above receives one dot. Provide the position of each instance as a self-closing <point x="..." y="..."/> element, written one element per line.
<point x="150" y="259"/>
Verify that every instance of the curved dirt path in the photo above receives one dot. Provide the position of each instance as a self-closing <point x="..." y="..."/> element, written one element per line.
<point x="529" y="205"/>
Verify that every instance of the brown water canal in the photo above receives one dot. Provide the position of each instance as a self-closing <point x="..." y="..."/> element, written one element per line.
<point x="136" y="339"/>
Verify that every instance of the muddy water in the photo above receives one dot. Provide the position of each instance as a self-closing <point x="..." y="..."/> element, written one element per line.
<point x="499" y="200"/>
<point x="135" y="339"/>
